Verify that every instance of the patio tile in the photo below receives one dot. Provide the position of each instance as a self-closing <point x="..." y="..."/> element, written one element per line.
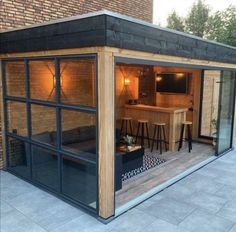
<point x="227" y="192"/>
<point x="209" y="172"/>
<point x="227" y="179"/>
<point x="228" y="211"/>
<point x="202" y="221"/>
<point x="162" y="226"/>
<point x="15" y="188"/>
<point x="177" y="192"/>
<point x="84" y="223"/>
<point x="5" y="208"/>
<point x="233" y="229"/>
<point x="14" y="221"/>
<point x="170" y="210"/>
<point x="45" y="209"/>
<point x="146" y="204"/>
<point x="133" y="220"/>
<point x="197" y="182"/>
<point x="207" y="201"/>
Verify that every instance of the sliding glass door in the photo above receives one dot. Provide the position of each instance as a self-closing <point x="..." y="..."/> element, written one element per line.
<point x="226" y="111"/>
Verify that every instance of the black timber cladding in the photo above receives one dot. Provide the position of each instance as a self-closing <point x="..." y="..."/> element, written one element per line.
<point x="120" y="32"/>
<point x="85" y="32"/>
<point x="130" y="35"/>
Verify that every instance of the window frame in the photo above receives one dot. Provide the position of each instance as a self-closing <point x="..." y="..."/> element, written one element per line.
<point x="58" y="106"/>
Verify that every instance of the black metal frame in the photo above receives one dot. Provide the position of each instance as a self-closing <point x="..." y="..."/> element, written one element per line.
<point x="219" y="111"/>
<point x="58" y="106"/>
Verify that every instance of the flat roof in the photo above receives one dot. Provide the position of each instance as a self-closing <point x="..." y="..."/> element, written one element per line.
<point x="106" y="28"/>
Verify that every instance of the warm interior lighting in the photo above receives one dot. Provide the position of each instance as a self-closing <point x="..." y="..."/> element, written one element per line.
<point x="54" y="81"/>
<point x="127" y="81"/>
<point x="179" y="75"/>
<point x="158" y="78"/>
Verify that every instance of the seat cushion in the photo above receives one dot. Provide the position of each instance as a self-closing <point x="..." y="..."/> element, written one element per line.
<point x="43" y="137"/>
<point x="86" y="146"/>
<point x="87" y="133"/>
<point x="68" y="136"/>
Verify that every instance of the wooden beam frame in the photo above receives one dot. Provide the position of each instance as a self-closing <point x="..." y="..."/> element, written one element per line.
<point x="106" y="106"/>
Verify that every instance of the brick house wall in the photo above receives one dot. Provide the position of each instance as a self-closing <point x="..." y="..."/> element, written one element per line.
<point x="18" y="13"/>
<point x="15" y="13"/>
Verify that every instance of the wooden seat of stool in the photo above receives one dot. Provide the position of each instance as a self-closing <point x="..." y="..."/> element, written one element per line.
<point x="159" y="123"/>
<point x="187" y="123"/>
<point x="143" y="121"/>
<point x="126" y="118"/>
<point x="144" y="125"/>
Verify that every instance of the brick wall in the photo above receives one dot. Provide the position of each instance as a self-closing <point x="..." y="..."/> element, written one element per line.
<point x="15" y="13"/>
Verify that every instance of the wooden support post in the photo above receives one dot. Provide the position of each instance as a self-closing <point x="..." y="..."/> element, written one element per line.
<point x="106" y="101"/>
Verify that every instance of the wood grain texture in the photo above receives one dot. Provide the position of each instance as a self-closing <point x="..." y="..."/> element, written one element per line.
<point x="106" y="133"/>
<point x="122" y="53"/>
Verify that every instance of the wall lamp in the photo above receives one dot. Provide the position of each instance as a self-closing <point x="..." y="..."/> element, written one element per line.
<point x="127" y="82"/>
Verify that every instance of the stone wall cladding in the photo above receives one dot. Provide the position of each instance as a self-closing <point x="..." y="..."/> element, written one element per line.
<point x="17" y="13"/>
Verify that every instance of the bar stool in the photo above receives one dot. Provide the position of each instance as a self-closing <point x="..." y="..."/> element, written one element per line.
<point x="143" y="124"/>
<point x="159" y="128"/>
<point x="189" y="138"/>
<point x="125" y="121"/>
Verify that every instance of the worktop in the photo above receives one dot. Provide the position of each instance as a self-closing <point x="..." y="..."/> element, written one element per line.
<point x="157" y="108"/>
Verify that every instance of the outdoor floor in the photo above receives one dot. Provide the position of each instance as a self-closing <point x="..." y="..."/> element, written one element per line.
<point x="205" y="201"/>
<point x="176" y="163"/>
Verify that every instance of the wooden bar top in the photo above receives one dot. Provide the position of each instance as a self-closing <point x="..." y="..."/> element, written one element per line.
<point x="170" y="110"/>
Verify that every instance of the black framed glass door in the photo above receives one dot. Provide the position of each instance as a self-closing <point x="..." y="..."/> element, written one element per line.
<point x="226" y="111"/>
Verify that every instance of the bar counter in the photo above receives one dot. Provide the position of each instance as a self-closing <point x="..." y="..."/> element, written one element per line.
<point x="172" y="116"/>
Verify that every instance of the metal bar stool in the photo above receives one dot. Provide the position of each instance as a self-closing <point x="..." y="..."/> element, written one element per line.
<point x="189" y="137"/>
<point x="125" y="121"/>
<point x="143" y="124"/>
<point x="159" y="128"/>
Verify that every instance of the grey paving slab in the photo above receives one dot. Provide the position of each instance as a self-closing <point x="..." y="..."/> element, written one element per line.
<point x="177" y="192"/>
<point x="12" y="186"/>
<point x="170" y="210"/>
<point x="45" y="209"/>
<point x="202" y="221"/>
<point x="228" y="211"/>
<point x="5" y="208"/>
<point x="206" y="201"/>
<point x="233" y="229"/>
<point x="227" y="192"/>
<point x="197" y="182"/>
<point x="14" y="221"/>
<point x="162" y="226"/>
<point x="227" y="179"/>
<point x="84" y="223"/>
<point x="133" y="220"/>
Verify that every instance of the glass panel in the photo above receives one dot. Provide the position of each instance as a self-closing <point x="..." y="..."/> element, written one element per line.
<point x="77" y="79"/>
<point x="79" y="181"/>
<point x="79" y="133"/>
<point x="17" y="118"/>
<point x="19" y="157"/>
<point x="45" y="167"/>
<point x="227" y="102"/>
<point x="43" y="123"/>
<point x="210" y="102"/>
<point x="42" y="80"/>
<point x="15" y="78"/>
